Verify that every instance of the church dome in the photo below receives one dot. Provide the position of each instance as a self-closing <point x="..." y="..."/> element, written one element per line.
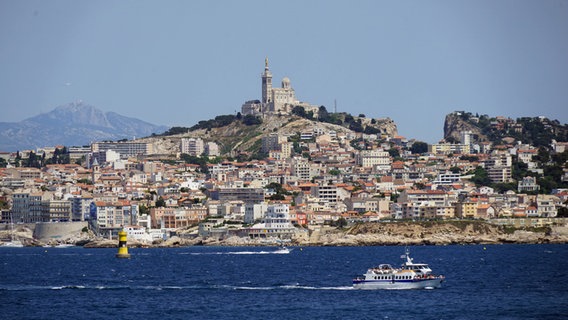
<point x="286" y="83"/>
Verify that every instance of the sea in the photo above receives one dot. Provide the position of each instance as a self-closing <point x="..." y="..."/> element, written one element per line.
<point x="482" y="282"/>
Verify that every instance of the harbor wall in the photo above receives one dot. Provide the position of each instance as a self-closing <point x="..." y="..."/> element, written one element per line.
<point x="45" y="231"/>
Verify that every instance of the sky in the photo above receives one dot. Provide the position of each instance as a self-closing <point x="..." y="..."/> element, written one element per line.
<point x="175" y="63"/>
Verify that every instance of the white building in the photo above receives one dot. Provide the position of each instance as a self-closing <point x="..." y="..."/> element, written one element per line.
<point x="255" y="211"/>
<point x="276" y="224"/>
<point x="212" y="149"/>
<point x="192" y="146"/>
<point x="377" y="159"/>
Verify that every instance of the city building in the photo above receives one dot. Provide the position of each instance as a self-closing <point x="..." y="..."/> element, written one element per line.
<point x="378" y="159"/>
<point x="276" y="224"/>
<point x="126" y="149"/>
<point x="192" y="146"/>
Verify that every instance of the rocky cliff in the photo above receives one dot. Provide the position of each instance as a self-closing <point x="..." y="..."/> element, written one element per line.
<point x="454" y="123"/>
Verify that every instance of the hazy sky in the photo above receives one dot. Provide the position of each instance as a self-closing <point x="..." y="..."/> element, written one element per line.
<point x="178" y="62"/>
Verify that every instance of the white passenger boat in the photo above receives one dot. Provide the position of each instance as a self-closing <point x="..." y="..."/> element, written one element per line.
<point x="409" y="276"/>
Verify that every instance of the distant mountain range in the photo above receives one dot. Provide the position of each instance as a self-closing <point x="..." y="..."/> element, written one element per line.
<point x="74" y="124"/>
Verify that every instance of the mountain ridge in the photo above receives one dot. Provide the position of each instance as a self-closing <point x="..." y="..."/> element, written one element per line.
<point x="73" y="124"/>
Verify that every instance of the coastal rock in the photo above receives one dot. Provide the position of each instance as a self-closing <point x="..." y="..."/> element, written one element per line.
<point x="429" y="233"/>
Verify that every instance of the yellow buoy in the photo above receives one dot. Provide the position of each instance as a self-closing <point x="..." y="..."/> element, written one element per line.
<point x="122" y="248"/>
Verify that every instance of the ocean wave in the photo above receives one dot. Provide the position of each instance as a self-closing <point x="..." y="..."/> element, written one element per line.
<point x="67" y="287"/>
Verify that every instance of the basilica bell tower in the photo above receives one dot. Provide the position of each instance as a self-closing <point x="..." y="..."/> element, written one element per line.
<point x="266" y="83"/>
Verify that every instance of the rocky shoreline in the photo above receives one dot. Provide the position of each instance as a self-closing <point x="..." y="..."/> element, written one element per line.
<point x="367" y="234"/>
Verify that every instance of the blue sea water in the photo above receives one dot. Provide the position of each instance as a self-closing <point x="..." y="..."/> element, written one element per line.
<point x="482" y="282"/>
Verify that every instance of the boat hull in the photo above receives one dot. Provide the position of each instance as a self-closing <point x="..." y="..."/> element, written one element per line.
<point x="398" y="284"/>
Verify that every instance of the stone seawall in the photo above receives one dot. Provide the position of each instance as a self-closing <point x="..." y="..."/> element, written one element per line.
<point x="53" y="231"/>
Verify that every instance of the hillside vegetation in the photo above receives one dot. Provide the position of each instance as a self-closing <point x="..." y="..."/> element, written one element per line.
<point x="238" y="134"/>
<point x="536" y="131"/>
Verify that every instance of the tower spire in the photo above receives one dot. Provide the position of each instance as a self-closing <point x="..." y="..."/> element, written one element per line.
<point x="266" y="83"/>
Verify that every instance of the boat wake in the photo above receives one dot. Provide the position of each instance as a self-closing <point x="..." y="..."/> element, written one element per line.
<point x="236" y="253"/>
<point x="169" y="287"/>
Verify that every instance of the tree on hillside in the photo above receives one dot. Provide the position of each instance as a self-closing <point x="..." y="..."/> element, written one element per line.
<point x="60" y="156"/>
<point x="455" y="169"/>
<point x="299" y="111"/>
<point x="323" y="115"/>
<point x="371" y="130"/>
<point x="419" y="147"/>
<point x="250" y="120"/>
<point x="33" y="161"/>
<point x="356" y="126"/>
<point x="480" y="177"/>
<point x="175" y="130"/>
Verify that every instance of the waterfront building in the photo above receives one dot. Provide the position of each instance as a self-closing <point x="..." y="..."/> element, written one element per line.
<point x="137" y="233"/>
<point x="255" y="211"/>
<point x="276" y="224"/>
<point x="56" y="210"/>
<point x="80" y="207"/>
<point x="437" y="197"/>
<point x="108" y="218"/>
<point x="26" y="207"/>
<point x="32" y="207"/>
<point x="466" y="209"/>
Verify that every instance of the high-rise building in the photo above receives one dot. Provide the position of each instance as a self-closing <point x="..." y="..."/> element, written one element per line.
<point x="272" y="142"/>
<point x="192" y="146"/>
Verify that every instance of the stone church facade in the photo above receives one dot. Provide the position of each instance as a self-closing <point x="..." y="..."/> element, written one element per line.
<point x="275" y="100"/>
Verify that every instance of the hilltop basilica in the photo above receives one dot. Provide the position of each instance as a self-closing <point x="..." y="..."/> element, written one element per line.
<point x="275" y="100"/>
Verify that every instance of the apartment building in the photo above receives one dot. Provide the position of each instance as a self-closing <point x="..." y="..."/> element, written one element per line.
<point x="254" y="195"/>
<point x="377" y="159"/>
<point x="126" y="149"/>
<point x="499" y="167"/>
<point x="192" y="146"/>
<point x="107" y="218"/>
